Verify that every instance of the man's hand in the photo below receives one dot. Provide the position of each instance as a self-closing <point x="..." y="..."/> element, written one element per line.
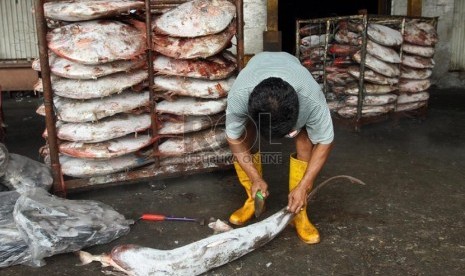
<point x="297" y="199"/>
<point x="259" y="185"/>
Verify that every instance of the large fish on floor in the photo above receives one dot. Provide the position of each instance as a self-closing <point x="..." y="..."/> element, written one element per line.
<point x="200" y="256"/>
<point x="80" y="10"/>
<point x="98" y="41"/>
<point x="79" y="111"/>
<point x="196" y="18"/>
<point x="66" y="68"/>
<point x="90" y="89"/>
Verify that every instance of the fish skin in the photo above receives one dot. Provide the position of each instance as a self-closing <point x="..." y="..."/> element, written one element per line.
<point x="310" y="29"/>
<point x="413" y="86"/>
<point x="339" y="79"/>
<point x="313" y="40"/>
<point x="73" y="70"/>
<point x="192" y="106"/>
<point x="367" y="111"/>
<point x="79" y="111"/>
<point x="382" y="52"/>
<point x="370" y="89"/>
<point x="384" y="35"/>
<point x="196" y="18"/>
<point x="424" y="51"/>
<point x="417" y="61"/>
<point x="98" y="41"/>
<point x="405" y="98"/>
<point x="106" y="129"/>
<point x="91" y="89"/>
<point x="87" y="10"/>
<point x="371" y="100"/>
<point x="197" y="47"/>
<point x="213" y="68"/>
<point x="377" y="65"/>
<point x="209" y="139"/>
<point x="346" y="37"/>
<point x="415" y="73"/>
<point x="222" y="154"/>
<point x="335" y="105"/>
<point x="372" y="76"/>
<point x="420" y="33"/>
<point x="106" y="149"/>
<point x="343" y="49"/>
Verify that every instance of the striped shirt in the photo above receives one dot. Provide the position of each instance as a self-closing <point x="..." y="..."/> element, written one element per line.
<point x="313" y="110"/>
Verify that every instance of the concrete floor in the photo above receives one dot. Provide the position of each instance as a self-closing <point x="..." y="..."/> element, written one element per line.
<point x="408" y="220"/>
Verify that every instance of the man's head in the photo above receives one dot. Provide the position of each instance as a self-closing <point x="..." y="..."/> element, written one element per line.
<point x="274" y="107"/>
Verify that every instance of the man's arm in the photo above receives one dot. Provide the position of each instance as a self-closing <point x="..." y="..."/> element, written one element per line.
<point x="298" y="196"/>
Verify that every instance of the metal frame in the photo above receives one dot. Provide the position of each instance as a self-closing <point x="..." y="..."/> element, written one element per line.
<point x="147" y="173"/>
<point x="358" y="121"/>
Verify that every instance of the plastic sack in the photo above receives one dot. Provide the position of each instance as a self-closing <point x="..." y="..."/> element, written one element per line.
<point x="51" y="225"/>
<point x="23" y="173"/>
<point x="13" y="249"/>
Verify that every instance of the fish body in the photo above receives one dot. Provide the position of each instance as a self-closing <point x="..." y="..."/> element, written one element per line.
<point x="372" y="76"/>
<point x="371" y="100"/>
<point x="106" y="149"/>
<point x="313" y="40"/>
<point x="209" y="139"/>
<point x="420" y="33"/>
<point x="196" y="18"/>
<point x="78" y="10"/>
<point x="405" y="98"/>
<point x="197" y="47"/>
<point x="90" y="89"/>
<point x="410" y="106"/>
<point x="193" y="87"/>
<point x="192" y="106"/>
<point x="377" y="65"/>
<point x="382" y="52"/>
<point x="413" y="86"/>
<point x="80" y="111"/>
<point x="424" y="51"/>
<point x="190" y="124"/>
<point x="98" y="41"/>
<point x="384" y="35"/>
<point x="370" y="89"/>
<point x="346" y="37"/>
<point x="212" y="68"/>
<point x="343" y="49"/>
<point x="105" y="129"/>
<point x="310" y="29"/>
<point x="367" y="111"/>
<point x="73" y="70"/>
<point x="415" y="73"/>
<point x="417" y="61"/>
<point x="340" y="79"/>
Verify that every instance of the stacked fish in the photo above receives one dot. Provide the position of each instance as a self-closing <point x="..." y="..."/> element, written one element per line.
<point x="342" y="67"/>
<point x="97" y="63"/>
<point x="194" y="73"/>
<point x="420" y="38"/>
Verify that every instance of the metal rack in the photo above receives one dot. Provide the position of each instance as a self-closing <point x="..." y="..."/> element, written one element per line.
<point x="329" y="22"/>
<point x="152" y="172"/>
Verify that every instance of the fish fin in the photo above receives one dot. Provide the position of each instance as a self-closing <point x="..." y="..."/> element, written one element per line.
<point x="85" y="258"/>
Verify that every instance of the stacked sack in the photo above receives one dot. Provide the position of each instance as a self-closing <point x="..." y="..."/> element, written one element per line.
<point x="97" y="60"/>
<point x="420" y="38"/>
<point x="194" y="73"/>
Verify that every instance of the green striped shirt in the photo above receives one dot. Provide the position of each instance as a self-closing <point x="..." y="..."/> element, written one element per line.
<point x="313" y="111"/>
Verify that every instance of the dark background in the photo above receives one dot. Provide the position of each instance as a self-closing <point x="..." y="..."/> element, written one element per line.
<point x="291" y="10"/>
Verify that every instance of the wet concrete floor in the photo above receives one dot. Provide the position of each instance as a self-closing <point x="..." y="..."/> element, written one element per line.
<point x="409" y="219"/>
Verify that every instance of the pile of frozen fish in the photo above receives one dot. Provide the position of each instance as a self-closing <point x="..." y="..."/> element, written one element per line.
<point x="394" y="78"/>
<point x="35" y="224"/>
<point x="99" y="79"/>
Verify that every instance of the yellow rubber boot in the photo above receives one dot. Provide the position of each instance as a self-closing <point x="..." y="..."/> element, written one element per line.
<point x="245" y="213"/>
<point x="305" y="229"/>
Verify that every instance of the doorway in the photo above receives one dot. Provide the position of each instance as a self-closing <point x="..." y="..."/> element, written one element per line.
<point x="291" y="10"/>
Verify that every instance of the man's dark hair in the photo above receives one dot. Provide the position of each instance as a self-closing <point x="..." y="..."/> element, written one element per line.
<point x="274" y="103"/>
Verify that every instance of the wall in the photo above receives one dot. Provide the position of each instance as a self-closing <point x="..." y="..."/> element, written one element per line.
<point x="254" y="25"/>
<point x="444" y="9"/>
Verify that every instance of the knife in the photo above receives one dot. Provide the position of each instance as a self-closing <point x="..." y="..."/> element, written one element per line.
<point x="259" y="204"/>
